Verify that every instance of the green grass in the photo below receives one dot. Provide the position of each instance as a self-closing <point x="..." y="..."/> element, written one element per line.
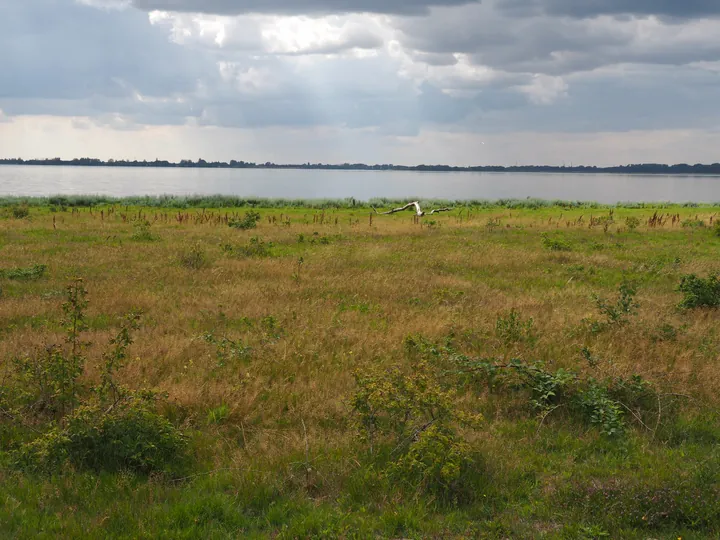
<point x="256" y="352"/>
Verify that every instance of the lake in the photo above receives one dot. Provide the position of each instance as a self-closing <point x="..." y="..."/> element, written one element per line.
<point x="363" y="185"/>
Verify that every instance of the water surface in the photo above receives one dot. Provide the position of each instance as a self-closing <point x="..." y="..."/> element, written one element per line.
<point x="363" y="185"/>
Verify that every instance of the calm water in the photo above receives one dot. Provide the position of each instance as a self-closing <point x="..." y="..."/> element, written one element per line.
<point x="304" y="184"/>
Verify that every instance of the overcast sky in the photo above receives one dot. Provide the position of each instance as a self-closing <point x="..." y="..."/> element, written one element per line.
<point x="379" y="81"/>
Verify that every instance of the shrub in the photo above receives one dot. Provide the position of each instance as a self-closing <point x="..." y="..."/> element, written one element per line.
<point x="19" y="211"/>
<point x="34" y="272"/>
<point x="418" y="419"/>
<point x="141" y="231"/>
<point x="437" y="460"/>
<point x="599" y="403"/>
<point x="716" y="228"/>
<point x="555" y="244"/>
<point x="632" y="223"/>
<point x="105" y="426"/>
<point x="699" y="292"/>
<point x="130" y="437"/>
<point x="256" y="248"/>
<point x="248" y="221"/>
<point x="194" y="258"/>
<point x="693" y="224"/>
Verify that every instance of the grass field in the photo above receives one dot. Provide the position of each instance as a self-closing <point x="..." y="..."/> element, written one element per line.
<point x="548" y="384"/>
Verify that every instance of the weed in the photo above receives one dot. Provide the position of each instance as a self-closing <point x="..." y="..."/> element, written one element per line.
<point x="587" y="355"/>
<point x="218" y="415"/>
<point x="492" y="224"/>
<point x="271" y="328"/>
<point x="512" y="329"/>
<point x="227" y="349"/>
<point x="298" y="267"/>
<point x="665" y="332"/>
<point x="129" y="437"/>
<point x="617" y="312"/>
<point x="49" y="382"/>
<point x="699" y="292"/>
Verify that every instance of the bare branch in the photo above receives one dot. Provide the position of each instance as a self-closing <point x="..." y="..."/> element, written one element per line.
<point x="416" y="205"/>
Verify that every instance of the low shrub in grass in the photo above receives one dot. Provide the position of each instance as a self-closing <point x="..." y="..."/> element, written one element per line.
<point x="34" y="272"/>
<point x="194" y="258"/>
<point x="555" y="244"/>
<point x="414" y="417"/>
<point x="699" y="292"/>
<point x="132" y="437"/>
<point x="142" y="232"/>
<point x="248" y="221"/>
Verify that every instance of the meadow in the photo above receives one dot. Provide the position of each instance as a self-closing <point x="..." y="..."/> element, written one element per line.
<point x="175" y="368"/>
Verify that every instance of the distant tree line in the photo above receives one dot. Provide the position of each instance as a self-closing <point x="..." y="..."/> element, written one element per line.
<point x="641" y="168"/>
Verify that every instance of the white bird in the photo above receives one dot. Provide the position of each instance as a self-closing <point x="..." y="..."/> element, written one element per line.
<point x="418" y="210"/>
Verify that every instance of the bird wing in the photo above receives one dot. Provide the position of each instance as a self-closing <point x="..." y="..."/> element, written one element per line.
<point x="440" y="210"/>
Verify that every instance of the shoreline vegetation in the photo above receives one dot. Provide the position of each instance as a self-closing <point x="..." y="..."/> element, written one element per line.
<point x="509" y="369"/>
<point x="639" y="168"/>
<point x="218" y="201"/>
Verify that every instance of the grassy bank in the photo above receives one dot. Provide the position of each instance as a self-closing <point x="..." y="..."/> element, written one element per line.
<point x="506" y="370"/>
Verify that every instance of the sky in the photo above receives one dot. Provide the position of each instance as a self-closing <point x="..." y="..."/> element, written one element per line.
<point x="460" y="82"/>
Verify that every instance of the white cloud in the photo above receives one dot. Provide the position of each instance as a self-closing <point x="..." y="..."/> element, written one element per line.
<point x="544" y="89"/>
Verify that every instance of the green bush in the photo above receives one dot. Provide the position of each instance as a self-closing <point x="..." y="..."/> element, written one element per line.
<point x="700" y="292"/>
<point x="248" y="221"/>
<point x="437" y="461"/>
<point x="417" y="418"/>
<point x="141" y="231"/>
<point x="130" y="437"/>
<point x="555" y="244"/>
<point x="19" y="211"/>
<point x="632" y="223"/>
<point x="602" y="404"/>
<point x="34" y="272"/>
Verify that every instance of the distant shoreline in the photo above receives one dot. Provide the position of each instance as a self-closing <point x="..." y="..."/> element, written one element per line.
<point x="642" y="168"/>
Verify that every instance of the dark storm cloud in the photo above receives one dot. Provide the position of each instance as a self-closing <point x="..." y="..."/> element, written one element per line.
<point x="539" y="43"/>
<point x="591" y="8"/>
<point x="237" y="7"/>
